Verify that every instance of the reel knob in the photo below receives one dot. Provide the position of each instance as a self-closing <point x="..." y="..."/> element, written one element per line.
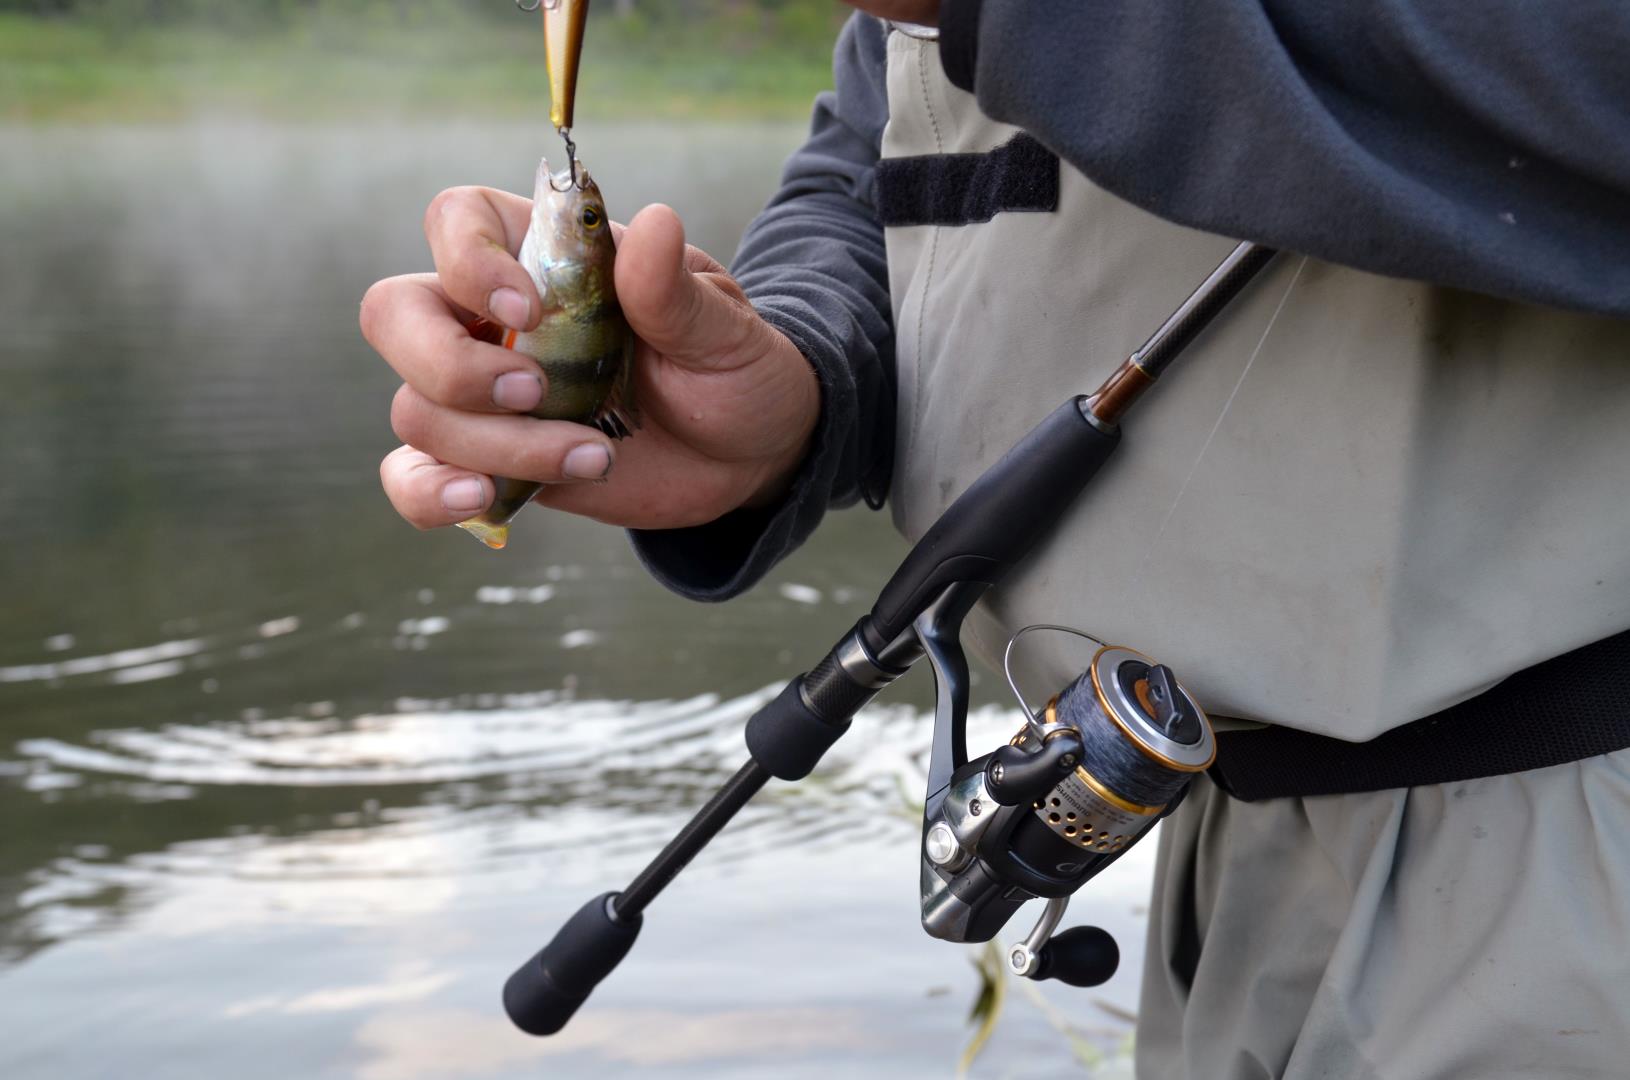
<point x="1080" y="956"/>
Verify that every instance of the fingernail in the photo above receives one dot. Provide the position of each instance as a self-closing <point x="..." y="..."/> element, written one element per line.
<point x="517" y="390"/>
<point x="509" y="307"/>
<point x="463" y="496"/>
<point x="590" y="461"/>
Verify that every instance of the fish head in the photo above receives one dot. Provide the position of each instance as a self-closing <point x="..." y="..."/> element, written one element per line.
<point x="569" y="217"/>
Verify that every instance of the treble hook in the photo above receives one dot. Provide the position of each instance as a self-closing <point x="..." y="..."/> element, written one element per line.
<point x="574" y="168"/>
<point x="533" y="6"/>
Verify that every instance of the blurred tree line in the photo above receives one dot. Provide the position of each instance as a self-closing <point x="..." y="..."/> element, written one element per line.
<point x="788" y="19"/>
<point x="134" y="59"/>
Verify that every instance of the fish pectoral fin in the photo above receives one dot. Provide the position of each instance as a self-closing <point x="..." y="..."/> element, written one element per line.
<point x="613" y="424"/>
<point x="619" y="416"/>
<point x="485" y="330"/>
<point x="549" y="302"/>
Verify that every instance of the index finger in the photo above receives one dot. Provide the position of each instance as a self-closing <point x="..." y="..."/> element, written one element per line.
<point x="474" y="235"/>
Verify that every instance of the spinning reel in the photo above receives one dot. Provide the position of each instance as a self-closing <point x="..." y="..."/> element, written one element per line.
<point x="1080" y="783"/>
<point x="1037" y="818"/>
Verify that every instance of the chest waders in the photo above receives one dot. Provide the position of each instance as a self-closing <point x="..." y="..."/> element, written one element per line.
<point x="1037" y="818"/>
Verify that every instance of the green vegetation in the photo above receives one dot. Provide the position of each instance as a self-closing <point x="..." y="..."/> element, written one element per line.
<point x="137" y="60"/>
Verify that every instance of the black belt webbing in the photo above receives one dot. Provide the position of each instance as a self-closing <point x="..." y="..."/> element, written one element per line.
<point x="1570" y="707"/>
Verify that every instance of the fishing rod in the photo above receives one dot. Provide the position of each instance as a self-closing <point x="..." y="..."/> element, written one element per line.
<point x="1086" y="777"/>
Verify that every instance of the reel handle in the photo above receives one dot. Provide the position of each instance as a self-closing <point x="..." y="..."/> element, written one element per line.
<point x="545" y="991"/>
<point x="1014" y="777"/>
<point x="1080" y="956"/>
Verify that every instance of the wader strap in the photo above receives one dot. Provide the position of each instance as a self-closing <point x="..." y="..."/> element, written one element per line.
<point x="1568" y="708"/>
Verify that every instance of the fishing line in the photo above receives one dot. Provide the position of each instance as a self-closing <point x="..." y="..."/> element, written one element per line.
<point x="1149" y="548"/>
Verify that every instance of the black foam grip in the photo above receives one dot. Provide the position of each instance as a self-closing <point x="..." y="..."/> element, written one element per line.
<point x="998" y="519"/>
<point x="545" y="991"/>
<point x="1080" y="956"/>
<point x="787" y="738"/>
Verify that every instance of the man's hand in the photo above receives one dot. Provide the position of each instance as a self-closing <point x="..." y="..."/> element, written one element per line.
<point x="727" y="404"/>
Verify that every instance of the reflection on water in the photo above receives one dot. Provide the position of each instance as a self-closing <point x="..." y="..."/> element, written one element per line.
<point x="287" y="787"/>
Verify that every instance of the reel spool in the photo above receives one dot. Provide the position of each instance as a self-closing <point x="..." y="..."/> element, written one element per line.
<point x="1075" y="788"/>
<point x="1144" y="737"/>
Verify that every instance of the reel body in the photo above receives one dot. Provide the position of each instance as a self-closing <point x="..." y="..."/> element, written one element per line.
<point x="1075" y="788"/>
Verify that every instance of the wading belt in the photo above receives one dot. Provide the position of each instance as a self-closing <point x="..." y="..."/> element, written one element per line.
<point x="1568" y="708"/>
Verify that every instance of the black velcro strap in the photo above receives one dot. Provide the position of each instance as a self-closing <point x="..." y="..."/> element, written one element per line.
<point x="964" y="189"/>
<point x="1568" y="708"/>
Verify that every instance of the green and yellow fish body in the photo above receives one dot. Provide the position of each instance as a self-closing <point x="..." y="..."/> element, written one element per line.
<point x="583" y="344"/>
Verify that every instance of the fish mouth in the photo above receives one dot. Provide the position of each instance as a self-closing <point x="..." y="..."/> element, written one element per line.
<point x="561" y="181"/>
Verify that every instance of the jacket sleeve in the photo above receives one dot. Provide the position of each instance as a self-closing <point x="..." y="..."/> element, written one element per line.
<point x="1485" y="146"/>
<point x="813" y="265"/>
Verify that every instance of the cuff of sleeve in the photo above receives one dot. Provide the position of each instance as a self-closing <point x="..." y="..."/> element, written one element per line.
<point x="716" y="561"/>
<point x="726" y="557"/>
<point x="959" y="40"/>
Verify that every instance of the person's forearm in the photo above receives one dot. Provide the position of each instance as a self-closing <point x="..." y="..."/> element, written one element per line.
<point x="1486" y="147"/>
<point x="813" y="265"/>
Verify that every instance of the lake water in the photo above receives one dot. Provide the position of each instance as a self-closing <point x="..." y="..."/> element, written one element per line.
<point x="288" y="788"/>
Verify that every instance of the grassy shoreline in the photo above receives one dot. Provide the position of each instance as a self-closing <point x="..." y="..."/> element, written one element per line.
<point x="83" y="71"/>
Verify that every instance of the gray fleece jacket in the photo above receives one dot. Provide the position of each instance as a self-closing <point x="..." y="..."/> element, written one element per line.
<point x="1485" y="148"/>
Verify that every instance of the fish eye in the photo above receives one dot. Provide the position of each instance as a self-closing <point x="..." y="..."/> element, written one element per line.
<point x="591" y="218"/>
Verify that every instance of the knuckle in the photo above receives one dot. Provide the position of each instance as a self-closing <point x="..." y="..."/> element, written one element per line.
<point x="701" y="262"/>
<point x="399" y="490"/>
<point x="443" y="201"/>
<point x="692" y="306"/>
<point x="529" y="464"/>
<point x="444" y="383"/>
<point x="440" y="378"/>
<point x="467" y="271"/>
<point x="408" y="418"/>
<point x="453" y="225"/>
<point x="371" y="315"/>
<point x="534" y="461"/>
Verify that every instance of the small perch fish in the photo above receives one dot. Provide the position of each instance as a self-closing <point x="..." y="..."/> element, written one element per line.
<point x="583" y="343"/>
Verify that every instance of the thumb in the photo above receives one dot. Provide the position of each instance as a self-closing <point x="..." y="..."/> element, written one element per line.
<point x="698" y="319"/>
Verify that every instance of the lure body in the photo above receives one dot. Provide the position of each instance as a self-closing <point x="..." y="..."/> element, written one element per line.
<point x="563" y="24"/>
<point x="582" y="344"/>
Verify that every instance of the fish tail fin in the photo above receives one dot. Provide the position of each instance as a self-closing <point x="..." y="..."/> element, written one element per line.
<point x="494" y="535"/>
<point x="492" y="527"/>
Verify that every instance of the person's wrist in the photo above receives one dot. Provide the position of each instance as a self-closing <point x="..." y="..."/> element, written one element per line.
<point x="776" y="478"/>
<point x="797" y="391"/>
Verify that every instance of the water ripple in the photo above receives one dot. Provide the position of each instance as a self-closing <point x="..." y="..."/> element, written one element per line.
<point x="144" y="657"/>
